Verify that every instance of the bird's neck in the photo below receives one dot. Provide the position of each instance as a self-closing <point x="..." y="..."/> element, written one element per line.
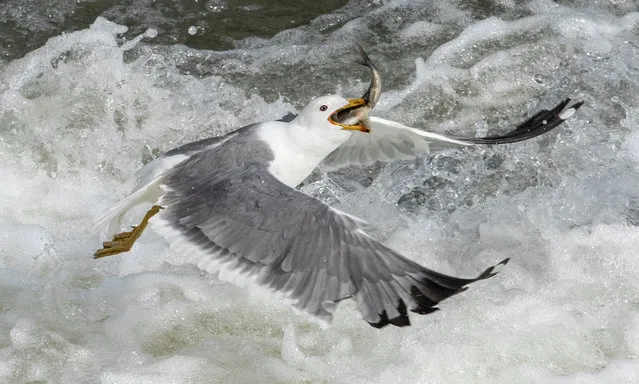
<point x="297" y="150"/>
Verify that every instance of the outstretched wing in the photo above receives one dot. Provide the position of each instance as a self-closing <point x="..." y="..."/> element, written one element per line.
<point x="390" y="140"/>
<point x="245" y="222"/>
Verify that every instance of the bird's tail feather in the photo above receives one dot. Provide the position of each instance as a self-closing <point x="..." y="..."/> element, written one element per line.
<point x="113" y="216"/>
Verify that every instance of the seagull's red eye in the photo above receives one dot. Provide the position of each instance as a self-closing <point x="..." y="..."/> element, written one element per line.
<point x="323" y="107"/>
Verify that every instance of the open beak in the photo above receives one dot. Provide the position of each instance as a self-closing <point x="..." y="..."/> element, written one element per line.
<point x="354" y="115"/>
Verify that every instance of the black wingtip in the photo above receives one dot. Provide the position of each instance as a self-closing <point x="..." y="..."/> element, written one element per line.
<point x="542" y="122"/>
<point x="400" y="321"/>
<point x="490" y="271"/>
<point x="428" y="291"/>
<point x="570" y="108"/>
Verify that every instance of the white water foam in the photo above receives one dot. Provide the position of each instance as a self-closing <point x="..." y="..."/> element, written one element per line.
<point x="78" y="118"/>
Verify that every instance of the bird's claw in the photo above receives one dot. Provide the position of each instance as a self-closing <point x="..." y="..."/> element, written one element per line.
<point x="122" y="235"/>
<point x="123" y="241"/>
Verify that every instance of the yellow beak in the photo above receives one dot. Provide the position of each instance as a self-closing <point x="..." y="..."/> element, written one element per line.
<point x="355" y="109"/>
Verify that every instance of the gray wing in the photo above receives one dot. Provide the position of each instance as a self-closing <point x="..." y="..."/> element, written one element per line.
<point x="247" y="222"/>
<point x="390" y="140"/>
<point x="175" y="156"/>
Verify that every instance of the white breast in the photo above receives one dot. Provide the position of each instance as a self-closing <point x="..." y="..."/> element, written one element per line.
<point x="296" y="150"/>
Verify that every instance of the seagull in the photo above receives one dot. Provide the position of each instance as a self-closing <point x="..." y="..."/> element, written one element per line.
<point x="229" y="204"/>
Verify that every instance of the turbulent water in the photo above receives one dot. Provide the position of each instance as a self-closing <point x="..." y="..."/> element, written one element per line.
<point x="82" y="112"/>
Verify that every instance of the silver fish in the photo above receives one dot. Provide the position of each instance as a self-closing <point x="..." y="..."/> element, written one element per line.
<point x="354" y="115"/>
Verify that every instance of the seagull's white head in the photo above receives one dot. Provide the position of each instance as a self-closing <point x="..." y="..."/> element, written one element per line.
<point x="306" y="140"/>
<point x="316" y="116"/>
<point x="313" y="133"/>
<point x="350" y="115"/>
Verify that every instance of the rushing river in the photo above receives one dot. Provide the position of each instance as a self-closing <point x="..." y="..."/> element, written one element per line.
<point x="85" y="102"/>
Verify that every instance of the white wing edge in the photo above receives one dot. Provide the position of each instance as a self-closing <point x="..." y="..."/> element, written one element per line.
<point x="429" y="136"/>
<point x="187" y="252"/>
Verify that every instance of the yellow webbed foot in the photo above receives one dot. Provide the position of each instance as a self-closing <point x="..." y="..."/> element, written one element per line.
<point x="122" y="242"/>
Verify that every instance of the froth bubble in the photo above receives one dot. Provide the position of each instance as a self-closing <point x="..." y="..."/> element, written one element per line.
<point x="192" y="30"/>
<point x="151" y="33"/>
<point x="22" y="334"/>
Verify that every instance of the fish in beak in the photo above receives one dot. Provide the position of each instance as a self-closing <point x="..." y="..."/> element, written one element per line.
<point x="354" y="115"/>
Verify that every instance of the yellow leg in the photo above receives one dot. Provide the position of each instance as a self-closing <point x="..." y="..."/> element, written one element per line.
<point x="122" y="242"/>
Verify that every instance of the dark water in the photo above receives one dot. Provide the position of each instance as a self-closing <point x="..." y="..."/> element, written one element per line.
<point x="26" y="25"/>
